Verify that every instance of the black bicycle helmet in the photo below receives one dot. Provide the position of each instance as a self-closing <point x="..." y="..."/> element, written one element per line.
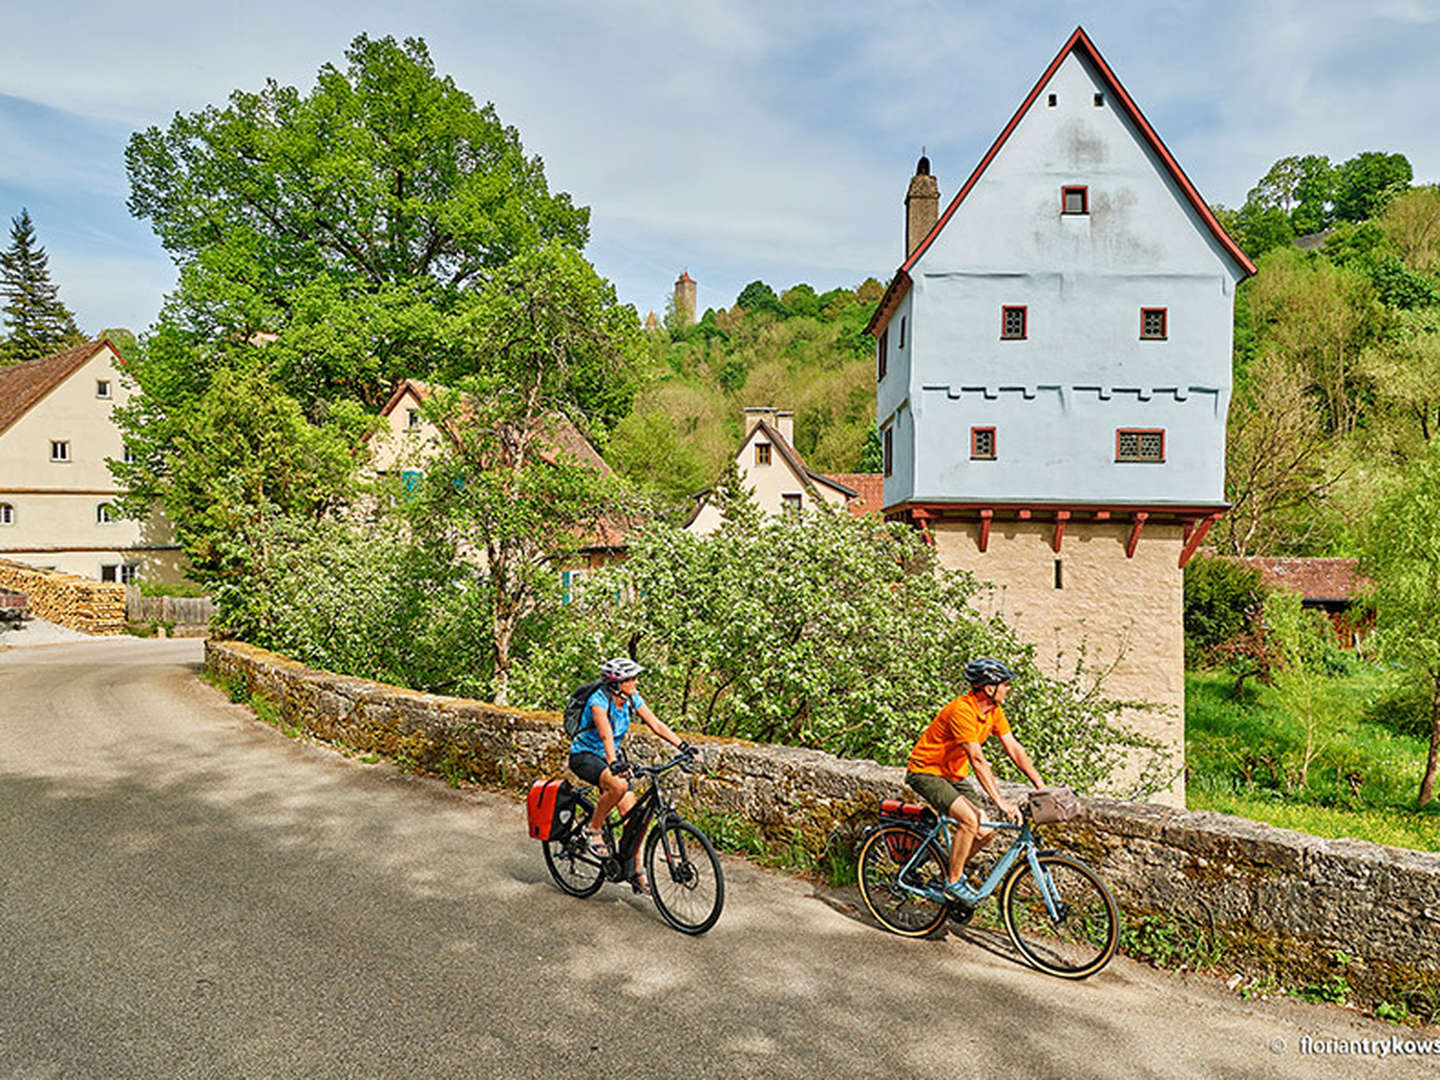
<point x="984" y="671"/>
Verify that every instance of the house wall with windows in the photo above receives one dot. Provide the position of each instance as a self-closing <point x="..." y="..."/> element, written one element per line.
<point x="1057" y="412"/>
<point x="56" y="492"/>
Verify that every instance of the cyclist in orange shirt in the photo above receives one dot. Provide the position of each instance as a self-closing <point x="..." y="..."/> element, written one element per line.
<point x="941" y="763"/>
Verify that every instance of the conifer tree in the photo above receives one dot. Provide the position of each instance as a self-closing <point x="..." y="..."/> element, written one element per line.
<point x="36" y="323"/>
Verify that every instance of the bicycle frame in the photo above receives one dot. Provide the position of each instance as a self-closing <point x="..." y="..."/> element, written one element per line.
<point x="1026" y="843"/>
<point x="650" y="806"/>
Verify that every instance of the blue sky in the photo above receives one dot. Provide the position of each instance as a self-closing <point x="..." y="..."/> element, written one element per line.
<point x="735" y="140"/>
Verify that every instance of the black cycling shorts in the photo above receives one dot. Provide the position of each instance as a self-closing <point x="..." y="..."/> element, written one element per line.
<point x="588" y="766"/>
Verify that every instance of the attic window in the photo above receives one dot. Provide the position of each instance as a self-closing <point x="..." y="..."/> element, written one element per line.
<point x="1153" y="324"/>
<point x="982" y="443"/>
<point x="59" y="451"/>
<point x="1075" y="200"/>
<point x="1099" y="101"/>
<point x="412" y="418"/>
<point x="102" y="388"/>
<point x="1140" y="444"/>
<point x="1052" y="100"/>
<point x="762" y="453"/>
<point x="790" y="503"/>
<point x="1012" y="323"/>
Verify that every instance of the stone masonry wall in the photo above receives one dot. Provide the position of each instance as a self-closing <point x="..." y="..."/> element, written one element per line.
<point x="94" y="607"/>
<point x="1274" y="899"/>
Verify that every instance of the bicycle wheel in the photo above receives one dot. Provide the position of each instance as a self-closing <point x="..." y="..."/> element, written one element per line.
<point x="882" y="857"/>
<point x="686" y="882"/>
<point x="574" y="869"/>
<point x="1080" y="939"/>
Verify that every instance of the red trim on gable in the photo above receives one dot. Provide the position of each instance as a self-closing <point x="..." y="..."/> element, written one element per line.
<point x="1078" y="40"/>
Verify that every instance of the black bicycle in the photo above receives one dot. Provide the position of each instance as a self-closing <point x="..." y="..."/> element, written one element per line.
<point x="686" y="882"/>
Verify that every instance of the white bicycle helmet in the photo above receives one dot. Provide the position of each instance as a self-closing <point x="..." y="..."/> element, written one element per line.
<point x="619" y="669"/>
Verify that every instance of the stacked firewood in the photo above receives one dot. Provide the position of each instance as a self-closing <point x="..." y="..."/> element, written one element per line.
<point x="94" y="607"/>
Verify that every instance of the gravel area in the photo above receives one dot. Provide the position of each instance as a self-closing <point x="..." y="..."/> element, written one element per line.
<point x="35" y="631"/>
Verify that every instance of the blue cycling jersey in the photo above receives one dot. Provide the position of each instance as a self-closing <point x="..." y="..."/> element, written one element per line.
<point x="588" y="741"/>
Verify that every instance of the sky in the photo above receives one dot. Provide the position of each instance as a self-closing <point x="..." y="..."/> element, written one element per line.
<point x="733" y="139"/>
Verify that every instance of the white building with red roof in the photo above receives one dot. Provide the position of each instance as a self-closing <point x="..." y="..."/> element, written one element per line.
<point x="57" y="497"/>
<point x="1053" y="377"/>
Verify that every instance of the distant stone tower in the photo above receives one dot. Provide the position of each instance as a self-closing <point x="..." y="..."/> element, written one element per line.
<point x="685" y="300"/>
<point x="922" y="205"/>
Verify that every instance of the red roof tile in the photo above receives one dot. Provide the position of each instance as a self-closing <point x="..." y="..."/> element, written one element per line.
<point x="1314" y="579"/>
<point x="23" y="385"/>
<point x="871" y="488"/>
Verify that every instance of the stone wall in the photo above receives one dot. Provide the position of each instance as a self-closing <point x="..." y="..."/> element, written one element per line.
<point x="1273" y="899"/>
<point x="94" y="607"/>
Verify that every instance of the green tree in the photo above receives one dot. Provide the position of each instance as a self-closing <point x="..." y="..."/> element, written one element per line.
<point x="1220" y="594"/>
<point x="757" y="296"/>
<point x="1402" y="558"/>
<point x="820" y="630"/>
<point x="509" y="498"/>
<point x="36" y="322"/>
<point x="346" y="228"/>
<point x="1368" y="181"/>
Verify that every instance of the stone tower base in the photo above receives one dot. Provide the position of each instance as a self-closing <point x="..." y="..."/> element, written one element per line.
<point x="1127" y="612"/>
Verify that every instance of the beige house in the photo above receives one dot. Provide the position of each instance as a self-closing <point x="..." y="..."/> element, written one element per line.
<point x="773" y="469"/>
<point x="56" y="494"/>
<point x="407" y="439"/>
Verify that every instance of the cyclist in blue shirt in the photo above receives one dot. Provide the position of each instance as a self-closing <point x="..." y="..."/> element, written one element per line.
<point x="596" y="755"/>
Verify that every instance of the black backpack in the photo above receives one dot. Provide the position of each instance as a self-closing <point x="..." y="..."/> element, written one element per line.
<point x="576" y="715"/>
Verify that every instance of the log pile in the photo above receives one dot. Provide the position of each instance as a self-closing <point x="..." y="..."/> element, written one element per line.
<point x="92" y="607"/>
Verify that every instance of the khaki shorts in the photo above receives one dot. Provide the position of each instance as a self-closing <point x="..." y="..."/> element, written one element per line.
<point x="941" y="792"/>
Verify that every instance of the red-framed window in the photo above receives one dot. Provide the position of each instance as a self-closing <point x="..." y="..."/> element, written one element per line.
<point x="1140" y="445"/>
<point x="888" y="439"/>
<point x="1075" y="199"/>
<point x="982" y="443"/>
<point x="1014" y="322"/>
<point x="1154" y="323"/>
<point x="762" y="453"/>
<point x="882" y="348"/>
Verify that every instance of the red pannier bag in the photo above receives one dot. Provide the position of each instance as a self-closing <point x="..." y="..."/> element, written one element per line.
<point x="918" y="817"/>
<point x="550" y="807"/>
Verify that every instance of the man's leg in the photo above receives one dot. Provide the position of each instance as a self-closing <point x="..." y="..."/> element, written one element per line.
<point x="967" y="828"/>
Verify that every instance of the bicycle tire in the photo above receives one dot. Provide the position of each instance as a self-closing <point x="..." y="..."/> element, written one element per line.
<point x="897" y="910"/>
<point x="1082" y="940"/>
<point x="686" y="881"/>
<point x="575" y="870"/>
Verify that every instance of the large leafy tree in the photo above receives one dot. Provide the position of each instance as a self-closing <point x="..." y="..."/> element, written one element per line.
<point x="36" y="322"/>
<point x="1402" y="558"/>
<point x="348" y="224"/>
<point x="511" y="498"/>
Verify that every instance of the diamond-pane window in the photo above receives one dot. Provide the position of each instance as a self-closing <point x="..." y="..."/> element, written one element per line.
<point x="1139" y="445"/>
<point x="1012" y="322"/>
<point x="1153" y="324"/>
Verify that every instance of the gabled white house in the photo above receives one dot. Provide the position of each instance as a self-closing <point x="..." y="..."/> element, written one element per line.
<point x="1053" y="376"/>
<point x="771" y="467"/>
<point x="56" y="493"/>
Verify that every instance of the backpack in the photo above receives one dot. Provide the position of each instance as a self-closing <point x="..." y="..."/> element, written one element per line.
<point x="576" y="715"/>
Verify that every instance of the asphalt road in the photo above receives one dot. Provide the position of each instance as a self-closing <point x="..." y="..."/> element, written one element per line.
<point x="187" y="893"/>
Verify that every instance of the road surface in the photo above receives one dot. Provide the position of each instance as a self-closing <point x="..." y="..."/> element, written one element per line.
<point x="188" y="893"/>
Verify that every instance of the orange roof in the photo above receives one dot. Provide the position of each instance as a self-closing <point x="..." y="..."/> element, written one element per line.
<point x="24" y="384"/>
<point x="1314" y="579"/>
<point x="871" y="488"/>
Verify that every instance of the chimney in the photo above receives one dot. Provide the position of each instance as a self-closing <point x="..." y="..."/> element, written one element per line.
<point x="785" y="425"/>
<point x="755" y="413"/>
<point x="685" y="300"/>
<point x="922" y="205"/>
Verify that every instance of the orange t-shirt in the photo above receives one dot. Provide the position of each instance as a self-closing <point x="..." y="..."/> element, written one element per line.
<point x="941" y="749"/>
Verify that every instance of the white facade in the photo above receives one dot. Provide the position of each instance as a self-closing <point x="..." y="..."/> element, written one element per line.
<point x="1080" y="369"/>
<point x="56" y="491"/>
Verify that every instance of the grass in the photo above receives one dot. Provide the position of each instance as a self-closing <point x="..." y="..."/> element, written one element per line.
<point x="1247" y="757"/>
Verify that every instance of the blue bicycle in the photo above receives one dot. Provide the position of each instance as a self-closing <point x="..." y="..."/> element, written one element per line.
<point x="1056" y="909"/>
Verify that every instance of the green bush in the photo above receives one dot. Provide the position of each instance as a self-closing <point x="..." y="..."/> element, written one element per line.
<point x="1220" y="594"/>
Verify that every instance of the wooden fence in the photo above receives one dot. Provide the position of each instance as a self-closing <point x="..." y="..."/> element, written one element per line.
<point x="179" y="610"/>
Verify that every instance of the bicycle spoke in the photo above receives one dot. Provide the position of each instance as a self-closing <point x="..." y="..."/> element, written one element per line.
<point x="1076" y="938"/>
<point x="686" y="881"/>
<point x="882" y="860"/>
